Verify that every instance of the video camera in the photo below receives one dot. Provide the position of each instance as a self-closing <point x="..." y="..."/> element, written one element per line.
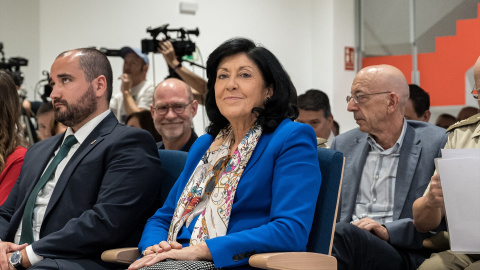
<point x="13" y="65"/>
<point x="182" y="44"/>
<point x="110" y="52"/>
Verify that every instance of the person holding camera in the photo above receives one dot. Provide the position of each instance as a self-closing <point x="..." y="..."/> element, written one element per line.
<point x="198" y="84"/>
<point x="136" y="92"/>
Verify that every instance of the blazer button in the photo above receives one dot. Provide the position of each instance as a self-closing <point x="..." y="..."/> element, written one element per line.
<point x="241" y="256"/>
<point x="235" y="258"/>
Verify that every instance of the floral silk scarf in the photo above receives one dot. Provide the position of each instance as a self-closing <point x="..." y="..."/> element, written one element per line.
<point x="211" y="188"/>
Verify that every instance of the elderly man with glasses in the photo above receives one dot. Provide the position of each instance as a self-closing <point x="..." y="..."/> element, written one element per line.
<point x="389" y="162"/>
<point x="429" y="210"/>
<point x="172" y="111"/>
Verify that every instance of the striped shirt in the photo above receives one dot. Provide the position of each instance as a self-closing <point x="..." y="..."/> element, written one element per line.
<point x="376" y="194"/>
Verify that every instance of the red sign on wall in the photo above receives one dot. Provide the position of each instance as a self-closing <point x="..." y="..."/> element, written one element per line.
<point x="349" y="58"/>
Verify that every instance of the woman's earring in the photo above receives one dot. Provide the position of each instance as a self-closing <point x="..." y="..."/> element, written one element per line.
<point x="267" y="99"/>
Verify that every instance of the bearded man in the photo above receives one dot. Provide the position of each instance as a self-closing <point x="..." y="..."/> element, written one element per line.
<point x="88" y="189"/>
<point x="172" y="111"/>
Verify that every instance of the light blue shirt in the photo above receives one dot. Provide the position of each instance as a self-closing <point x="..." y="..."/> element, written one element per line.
<point x="376" y="194"/>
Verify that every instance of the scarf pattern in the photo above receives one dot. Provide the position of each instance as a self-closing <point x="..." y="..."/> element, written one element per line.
<point x="210" y="191"/>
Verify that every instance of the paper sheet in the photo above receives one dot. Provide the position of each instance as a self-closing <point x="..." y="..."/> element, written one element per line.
<point x="460" y="176"/>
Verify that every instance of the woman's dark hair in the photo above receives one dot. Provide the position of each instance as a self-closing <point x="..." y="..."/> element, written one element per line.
<point x="146" y="122"/>
<point x="280" y="105"/>
<point x="10" y="112"/>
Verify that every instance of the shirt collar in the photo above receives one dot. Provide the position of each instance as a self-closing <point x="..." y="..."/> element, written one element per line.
<point x="396" y="147"/>
<point x="330" y="138"/>
<point x="83" y="132"/>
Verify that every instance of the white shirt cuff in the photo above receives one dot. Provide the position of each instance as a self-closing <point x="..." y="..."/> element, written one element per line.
<point x="32" y="257"/>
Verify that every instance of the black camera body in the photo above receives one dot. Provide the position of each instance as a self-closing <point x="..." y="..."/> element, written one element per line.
<point x="182" y="44"/>
<point x="13" y="65"/>
<point x="181" y="47"/>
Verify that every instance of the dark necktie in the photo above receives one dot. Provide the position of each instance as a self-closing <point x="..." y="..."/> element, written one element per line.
<point x="27" y="218"/>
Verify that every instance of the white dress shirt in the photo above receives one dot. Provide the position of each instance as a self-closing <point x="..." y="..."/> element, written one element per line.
<point x="330" y="139"/>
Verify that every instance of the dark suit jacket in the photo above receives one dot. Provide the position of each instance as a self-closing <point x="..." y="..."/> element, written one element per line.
<point x="274" y="203"/>
<point x="421" y="145"/>
<point x="102" y="198"/>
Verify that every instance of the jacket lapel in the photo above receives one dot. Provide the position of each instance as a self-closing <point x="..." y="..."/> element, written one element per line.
<point x="95" y="138"/>
<point x="355" y="161"/>
<point x="259" y="148"/>
<point x="409" y="155"/>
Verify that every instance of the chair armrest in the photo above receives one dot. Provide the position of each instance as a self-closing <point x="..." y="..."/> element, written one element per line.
<point x="121" y="255"/>
<point x="293" y="260"/>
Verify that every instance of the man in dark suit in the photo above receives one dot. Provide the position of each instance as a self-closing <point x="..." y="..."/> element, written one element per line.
<point x="96" y="193"/>
<point x="388" y="165"/>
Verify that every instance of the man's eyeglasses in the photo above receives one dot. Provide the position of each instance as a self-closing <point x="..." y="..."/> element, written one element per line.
<point x="359" y="98"/>
<point x="475" y="92"/>
<point x="176" y="108"/>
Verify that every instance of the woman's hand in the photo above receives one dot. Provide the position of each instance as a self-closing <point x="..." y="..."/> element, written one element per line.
<point x="199" y="252"/>
<point x="161" y="247"/>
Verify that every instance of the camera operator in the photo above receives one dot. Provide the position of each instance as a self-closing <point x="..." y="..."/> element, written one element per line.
<point x="193" y="80"/>
<point x="136" y="92"/>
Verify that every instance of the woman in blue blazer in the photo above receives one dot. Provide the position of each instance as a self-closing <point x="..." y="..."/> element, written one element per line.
<point x="250" y="185"/>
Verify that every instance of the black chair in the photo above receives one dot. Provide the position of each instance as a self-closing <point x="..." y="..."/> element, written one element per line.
<point x="172" y="163"/>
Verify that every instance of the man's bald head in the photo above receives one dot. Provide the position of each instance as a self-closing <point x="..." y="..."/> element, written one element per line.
<point x="176" y="84"/>
<point x="380" y="94"/>
<point x="388" y="78"/>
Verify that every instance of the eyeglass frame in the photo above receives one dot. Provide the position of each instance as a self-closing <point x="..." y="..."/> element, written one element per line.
<point x="355" y="99"/>
<point x="167" y="107"/>
<point x="475" y="96"/>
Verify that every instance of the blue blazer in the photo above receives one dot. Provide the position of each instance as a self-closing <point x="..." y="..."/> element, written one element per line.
<point x="106" y="192"/>
<point x="274" y="202"/>
<point x="421" y="145"/>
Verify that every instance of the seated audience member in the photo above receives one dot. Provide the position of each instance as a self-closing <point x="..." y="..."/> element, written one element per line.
<point x="388" y="160"/>
<point x="136" y="92"/>
<point x="252" y="147"/>
<point x="429" y="210"/>
<point x="143" y="119"/>
<point x="336" y="128"/>
<point x="198" y="84"/>
<point x="12" y="148"/>
<point x="314" y="109"/>
<point x="445" y="120"/>
<point x="44" y="119"/>
<point x="418" y="105"/>
<point x="172" y="111"/>
<point x="466" y="112"/>
<point x="84" y="191"/>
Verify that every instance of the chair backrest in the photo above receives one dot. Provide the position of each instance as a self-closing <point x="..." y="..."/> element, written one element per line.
<point x="321" y="236"/>
<point x="172" y="163"/>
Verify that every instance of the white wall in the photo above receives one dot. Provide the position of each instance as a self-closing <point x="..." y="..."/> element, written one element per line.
<point x="343" y="27"/>
<point x="333" y="30"/>
<point x="303" y="34"/>
<point x="19" y="33"/>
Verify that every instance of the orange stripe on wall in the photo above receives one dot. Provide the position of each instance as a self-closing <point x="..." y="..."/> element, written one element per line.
<point x="442" y="73"/>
